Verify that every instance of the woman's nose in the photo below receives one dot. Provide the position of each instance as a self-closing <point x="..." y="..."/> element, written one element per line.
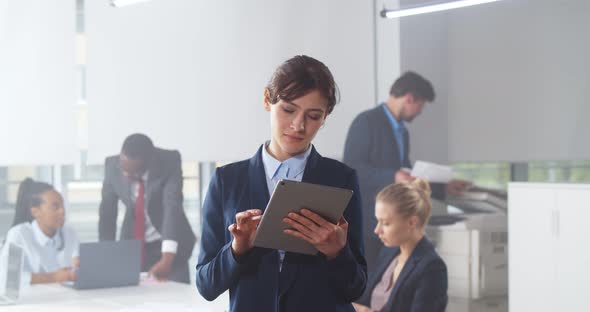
<point x="298" y="123"/>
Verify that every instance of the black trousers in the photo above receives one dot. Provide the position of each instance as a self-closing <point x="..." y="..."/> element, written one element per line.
<point x="153" y="253"/>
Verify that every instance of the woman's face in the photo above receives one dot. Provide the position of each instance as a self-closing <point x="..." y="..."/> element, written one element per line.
<point x="392" y="228"/>
<point x="50" y="214"/>
<point x="294" y="124"/>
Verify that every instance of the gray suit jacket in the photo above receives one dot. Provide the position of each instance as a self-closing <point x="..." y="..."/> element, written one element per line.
<point x="372" y="149"/>
<point x="163" y="201"/>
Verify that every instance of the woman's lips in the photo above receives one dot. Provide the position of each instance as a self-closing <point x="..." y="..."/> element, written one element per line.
<point x="294" y="137"/>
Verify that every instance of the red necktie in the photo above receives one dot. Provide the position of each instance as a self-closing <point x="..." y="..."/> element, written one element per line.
<point x="139" y="228"/>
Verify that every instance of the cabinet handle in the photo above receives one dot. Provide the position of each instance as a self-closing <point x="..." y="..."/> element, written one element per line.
<point x="557" y="223"/>
<point x="553" y="223"/>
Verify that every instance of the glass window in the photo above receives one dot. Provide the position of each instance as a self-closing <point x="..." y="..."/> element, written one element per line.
<point x="489" y="175"/>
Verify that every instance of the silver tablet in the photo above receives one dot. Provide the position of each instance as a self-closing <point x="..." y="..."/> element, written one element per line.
<point x="292" y="196"/>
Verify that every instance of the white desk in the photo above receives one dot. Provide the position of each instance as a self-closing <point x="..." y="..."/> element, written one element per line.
<point x="147" y="297"/>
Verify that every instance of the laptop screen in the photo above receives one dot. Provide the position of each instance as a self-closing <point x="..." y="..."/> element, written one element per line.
<point x="13" y="272"/>
<point x="109" y="264"/>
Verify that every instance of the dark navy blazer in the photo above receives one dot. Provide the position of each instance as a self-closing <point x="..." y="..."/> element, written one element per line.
<point x="372" y="150"/>
<point x="420" y="287"/>
<point x="305" y="283"/>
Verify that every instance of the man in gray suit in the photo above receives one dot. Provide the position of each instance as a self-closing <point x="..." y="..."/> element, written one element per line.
<point x="148" y="181"/>
<point x="378" y="145"/>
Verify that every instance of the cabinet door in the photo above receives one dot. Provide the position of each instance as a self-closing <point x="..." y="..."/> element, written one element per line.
<point x="573" y="264"/>
<point x="531" y="248"/>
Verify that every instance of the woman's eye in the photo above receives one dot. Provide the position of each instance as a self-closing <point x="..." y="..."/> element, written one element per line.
<point x="314" y="117"/>
<point x="288" y="111"/>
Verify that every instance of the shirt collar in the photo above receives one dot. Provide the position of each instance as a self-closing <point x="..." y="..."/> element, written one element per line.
<point x="296" y="163"/>
<point x="394" y="123"/>
<point x="143" y="177"/>
<point x="41" y="238"/>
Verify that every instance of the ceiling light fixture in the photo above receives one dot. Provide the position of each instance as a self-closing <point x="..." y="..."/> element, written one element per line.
<point x="120" y="3"/>
<point x="431" y="7"/>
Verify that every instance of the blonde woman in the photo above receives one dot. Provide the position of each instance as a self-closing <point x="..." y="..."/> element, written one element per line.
<point x="409" y="275"/>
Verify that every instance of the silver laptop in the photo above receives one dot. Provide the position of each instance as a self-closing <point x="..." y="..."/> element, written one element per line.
<point x="108" y="264"/>
<point x="14" y="269"/>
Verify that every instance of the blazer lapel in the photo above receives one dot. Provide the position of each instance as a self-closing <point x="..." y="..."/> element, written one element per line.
<point x="389" y="138"/>
<point x="125" y="190"/>
<point x="409" y="267"/>
<point x="259" y="197"/>
<point x="258" y="189"/>
<point x="311" y="174"/>
<point x="153" y="180"/>
<point x="387" y="254"/>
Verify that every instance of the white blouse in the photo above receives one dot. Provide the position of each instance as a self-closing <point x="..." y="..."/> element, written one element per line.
<point x="43" y="254"/>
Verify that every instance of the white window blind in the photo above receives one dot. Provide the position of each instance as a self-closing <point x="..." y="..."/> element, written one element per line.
<point x="191" y="73"/>
<point x="37" y="82"/>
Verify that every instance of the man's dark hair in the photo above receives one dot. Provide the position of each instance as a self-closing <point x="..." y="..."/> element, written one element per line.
<point x="298" y="76"/>
<point x="138" y="146"/>
<point x="411" y="82"/>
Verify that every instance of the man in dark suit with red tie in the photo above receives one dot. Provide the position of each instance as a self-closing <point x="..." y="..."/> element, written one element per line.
<point x="148" y="181"/>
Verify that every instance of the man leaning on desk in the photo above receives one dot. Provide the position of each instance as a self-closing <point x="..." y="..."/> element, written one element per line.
<point x="148" y="180"/>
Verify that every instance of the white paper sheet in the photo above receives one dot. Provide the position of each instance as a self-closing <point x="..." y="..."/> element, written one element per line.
<point x="432" y="172"/>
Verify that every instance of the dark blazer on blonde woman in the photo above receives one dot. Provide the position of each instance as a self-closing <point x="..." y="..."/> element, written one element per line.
<point x="421" y="286"/>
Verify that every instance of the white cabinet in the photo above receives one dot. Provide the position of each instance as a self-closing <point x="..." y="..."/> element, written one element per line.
<point x="549" y="257"/>
<point x="573" y="249"/>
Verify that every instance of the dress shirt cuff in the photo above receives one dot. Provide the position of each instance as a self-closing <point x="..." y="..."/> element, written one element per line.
<point x="169" y="246"/>
<point x="26" y="278"/>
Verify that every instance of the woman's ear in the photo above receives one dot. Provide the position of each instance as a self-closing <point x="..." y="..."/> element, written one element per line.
<point x="413" y="221"/>
<point x="35" y="212"/>
<point x="410" y="98"/>
<point x="267" y="103"/>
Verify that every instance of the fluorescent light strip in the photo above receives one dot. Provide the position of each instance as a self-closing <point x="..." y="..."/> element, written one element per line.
<point x="120" y="3"/>
<point x="432" y="8"/>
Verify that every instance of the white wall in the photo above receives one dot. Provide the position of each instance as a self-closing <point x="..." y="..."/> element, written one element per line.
<point x="37" y="82"/>
<point x="514" y="76"/>
<point x="520" y="77"/>
<point x="191" y="73"/>
<point x="387" y="34"/>
<point x="424" y="50"/>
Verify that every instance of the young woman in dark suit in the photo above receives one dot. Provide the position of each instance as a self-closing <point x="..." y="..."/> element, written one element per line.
<point x="299" y="97"/>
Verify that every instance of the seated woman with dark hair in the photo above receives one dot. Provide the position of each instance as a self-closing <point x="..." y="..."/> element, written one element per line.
<point x="409" y="275"/>
<point x="50" y="246"/>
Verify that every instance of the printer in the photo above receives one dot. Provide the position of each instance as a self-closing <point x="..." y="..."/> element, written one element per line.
<point x="472" y="239"/>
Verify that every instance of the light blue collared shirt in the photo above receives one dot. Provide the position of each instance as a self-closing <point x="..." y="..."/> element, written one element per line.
<point x="43" y="254"/>
<point x="290" y="169"/>
<point x="398" y="131"/>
